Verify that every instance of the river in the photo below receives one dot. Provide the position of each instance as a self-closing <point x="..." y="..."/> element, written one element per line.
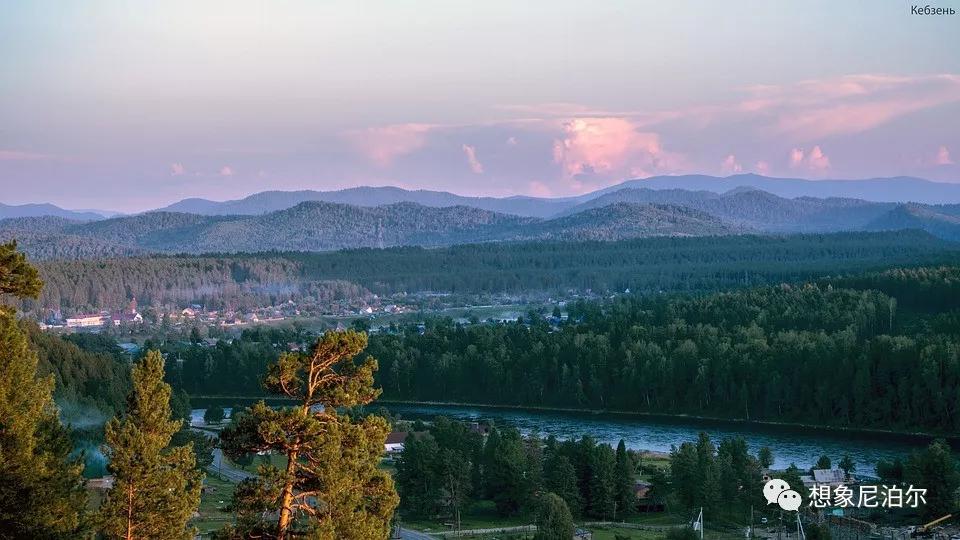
<point x="790" y="444"/>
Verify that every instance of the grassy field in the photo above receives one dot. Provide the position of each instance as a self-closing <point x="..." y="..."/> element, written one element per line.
<point x="216" y="495"/>
<point x="479" y="515"/>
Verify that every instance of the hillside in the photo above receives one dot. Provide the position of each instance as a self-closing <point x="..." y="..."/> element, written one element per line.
<point x="271" y="201"/>
<point x="616" y="215"/>
<point x="940" y="221"/>
<point x="885" y="190"/>
<point x="674" y="264"/>
<point x="38" y="210"/>
<point x="756" y="209"/>
<point x="900" y="189"/>
<point x="623" y="220"/>
<point x="322" y="226"/>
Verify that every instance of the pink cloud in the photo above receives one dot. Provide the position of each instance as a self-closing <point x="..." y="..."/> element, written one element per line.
<point x="471" y="153"/>
<point x="762" y="167"/>
<point x="177" y="169"/>
<point x="539" y="189"/>
<point x="730" y="165"/>
<point x="512" y="141"/>
<point x="943" y="156"/>
<point x="611" y="147"/>
<point x="18" y="155"/>
<point x="814" y="160"/>
<point x="384" y="144"/>
<point x="226" y="170"/>
<point x="845" y="105"/>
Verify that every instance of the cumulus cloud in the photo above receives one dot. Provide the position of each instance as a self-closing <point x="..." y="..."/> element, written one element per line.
<point x="384" y="144"/>
<point x="943" y="156"/>
<point x="730" y="165"/>
<point x="177" y="169"/>
<point x="762" y="167"/>
<point x="611" y="147"/>
<point x="472" y="160"/>
<point x="813" y="160"/>
<point x="226" y="170"/>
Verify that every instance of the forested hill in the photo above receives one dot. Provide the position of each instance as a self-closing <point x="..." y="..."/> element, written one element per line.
<point x="321" y="226"/>
<point x="647" y="265"/>
<point x="326" y="226"/>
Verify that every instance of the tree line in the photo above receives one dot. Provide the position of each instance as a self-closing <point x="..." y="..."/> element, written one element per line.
<point x="449" y="465"/>
<point x="648" y="265"/>
<point x="813" y="354"/>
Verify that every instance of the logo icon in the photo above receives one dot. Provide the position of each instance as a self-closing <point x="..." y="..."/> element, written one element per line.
<point x="778" y="491"/>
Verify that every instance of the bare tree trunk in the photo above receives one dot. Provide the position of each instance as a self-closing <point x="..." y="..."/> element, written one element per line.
<point x="286" y="498"/>
<point x="129" y="535"/>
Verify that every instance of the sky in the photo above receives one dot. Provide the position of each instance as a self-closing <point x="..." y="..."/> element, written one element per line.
<point x="131" y="105"/>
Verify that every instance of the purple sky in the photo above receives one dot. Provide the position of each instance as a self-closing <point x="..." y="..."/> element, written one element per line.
<point x="129" y="105"/>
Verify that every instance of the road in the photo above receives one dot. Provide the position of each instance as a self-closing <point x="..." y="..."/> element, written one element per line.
<point x="226" y="469"/>
<point x="409" y="534"/>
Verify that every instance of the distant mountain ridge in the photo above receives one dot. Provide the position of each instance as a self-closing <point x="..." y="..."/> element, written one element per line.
<point x="271" y="201"/>
<point x="38" y="210"/>
<point x="323" y="226"/>
<point x="891" y="190"/>
<point x="634" y="210"/>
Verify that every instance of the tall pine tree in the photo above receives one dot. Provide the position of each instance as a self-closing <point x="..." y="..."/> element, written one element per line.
<point x="623" y="476"/>
<point x="41" y="488"/>
<point x="156" y="488"/>
<point x="331" y="478"/>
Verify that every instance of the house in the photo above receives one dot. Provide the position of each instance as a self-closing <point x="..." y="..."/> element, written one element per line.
<point x="644" y="502"/>
<point x="85" y="320"/>
<point x="132" y="349"/>
<point x="127" y="317"/>
<point x="394" y="442"/>
<point x="833" y="477"/>
<point x="477" y="427"/>
<point x="104" y="484"/>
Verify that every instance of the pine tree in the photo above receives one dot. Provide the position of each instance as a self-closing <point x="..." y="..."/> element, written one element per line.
<point x="417" y="476"/>
<point x="331" y="477"/>
<point x="935" y="470"/>
<point x="765" y="457"/>
<point x="510" y="490"/>
<point x="156" y="487"/>
<point x="623" y="476"/>
<point x="554" y="521"/>
<point x="561" y="478"/>
<point x="41" y="488"/>
<point x="602" y="483"/>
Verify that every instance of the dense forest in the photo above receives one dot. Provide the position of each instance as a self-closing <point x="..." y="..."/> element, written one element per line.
<point x="92" y="373"/>
<point x="809" y="354"/>
<point x="641" y="265"/>
<point x="813" y="353"/>
<point x="214" y="282"/>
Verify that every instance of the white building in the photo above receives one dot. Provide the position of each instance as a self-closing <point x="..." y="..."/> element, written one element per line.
<point x="85" y="320"/>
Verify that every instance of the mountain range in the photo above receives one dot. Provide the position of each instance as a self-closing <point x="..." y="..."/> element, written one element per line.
<point x="380" y="217"/>
<point x="891" y="190"/>
<point x="322" y="226"/>
<point x="898" y="189"/>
